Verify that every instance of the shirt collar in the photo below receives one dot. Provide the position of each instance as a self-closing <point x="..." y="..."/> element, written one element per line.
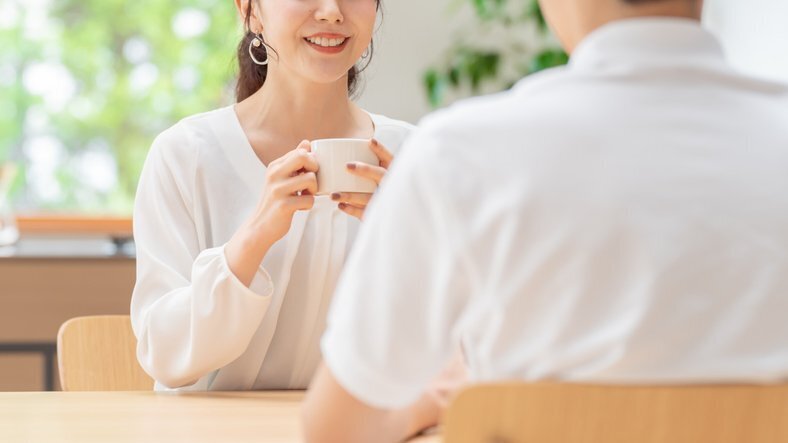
<point x="660" y="40"/>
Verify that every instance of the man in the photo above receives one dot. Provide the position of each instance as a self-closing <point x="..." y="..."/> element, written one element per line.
<point x="620" y="220"/>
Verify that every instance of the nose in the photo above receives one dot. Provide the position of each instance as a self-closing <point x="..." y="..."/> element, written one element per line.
<point x="329" y="11"/>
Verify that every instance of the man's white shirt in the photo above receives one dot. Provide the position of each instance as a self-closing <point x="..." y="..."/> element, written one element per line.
<point x="623" y="219"/>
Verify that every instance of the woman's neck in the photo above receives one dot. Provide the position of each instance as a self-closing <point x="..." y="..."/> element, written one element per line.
<point x="295" y="108"/>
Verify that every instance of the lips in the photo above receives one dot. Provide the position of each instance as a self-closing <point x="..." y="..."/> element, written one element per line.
<point x="327" y="43"/>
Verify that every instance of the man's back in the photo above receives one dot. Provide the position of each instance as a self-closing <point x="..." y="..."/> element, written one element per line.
<point x="626" y="218"/>
<point x="620" y="220"/>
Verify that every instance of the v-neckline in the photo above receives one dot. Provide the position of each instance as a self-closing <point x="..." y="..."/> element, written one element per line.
<point x="242" y="155"/>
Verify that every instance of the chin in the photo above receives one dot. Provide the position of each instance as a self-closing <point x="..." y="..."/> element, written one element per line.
<point x="329" y="76"/>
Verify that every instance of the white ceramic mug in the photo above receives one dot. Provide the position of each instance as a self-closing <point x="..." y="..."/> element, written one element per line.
<point x="333" y="155"/>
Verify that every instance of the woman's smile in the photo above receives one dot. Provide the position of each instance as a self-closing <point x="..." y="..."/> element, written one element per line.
<point x="327" y="43"/>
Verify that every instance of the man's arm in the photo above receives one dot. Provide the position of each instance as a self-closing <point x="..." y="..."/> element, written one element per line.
<point x="331" y="414"/>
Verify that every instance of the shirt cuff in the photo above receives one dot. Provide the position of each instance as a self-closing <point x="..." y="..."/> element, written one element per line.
<point x="370" y="387"/>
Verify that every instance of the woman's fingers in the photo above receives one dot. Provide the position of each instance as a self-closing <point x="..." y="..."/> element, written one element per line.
<point x="358" y="199"/>
<point x="306" y="145"/>
<point x="355" y="211"/>
<point x="374" y="173"/>
<point x="305" y="183"/>
<point x="301" y="158"/>
<point x="383" y="154"/>
<point x="352" y="203"/>
<point x="300" y="202"/>
<point x="298" y="160"/>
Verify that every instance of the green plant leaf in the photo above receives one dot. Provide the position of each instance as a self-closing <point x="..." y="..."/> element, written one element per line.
<point x="533" y="11"/>
<point x="466" y="64"/>
<point x="108" y="47"/>
<point x="433" y="83"/>
<point x="548" y="59"/>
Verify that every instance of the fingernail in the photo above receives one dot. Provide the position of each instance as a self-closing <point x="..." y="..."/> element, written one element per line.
<point x="351" y="166"/>
<point x="336" y="196"/>
<point x="342" y="206"/>
<point x="375" y="142"/>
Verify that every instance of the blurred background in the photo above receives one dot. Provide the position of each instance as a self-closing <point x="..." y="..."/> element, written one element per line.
<point x="85" y="86"/>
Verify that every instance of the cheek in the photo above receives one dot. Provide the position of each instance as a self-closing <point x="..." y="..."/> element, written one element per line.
<point x="281" y="18"/>
<point x="365" y="16"/>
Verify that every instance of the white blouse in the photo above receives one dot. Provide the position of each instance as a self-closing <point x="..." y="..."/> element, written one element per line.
<point x="198" y="327"/>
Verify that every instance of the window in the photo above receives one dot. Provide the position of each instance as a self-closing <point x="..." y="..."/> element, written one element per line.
<point x="88" y="84"/>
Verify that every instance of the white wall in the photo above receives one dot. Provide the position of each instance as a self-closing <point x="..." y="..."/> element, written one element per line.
<point x="754" y="34"/>
<point x="413" y="35"/>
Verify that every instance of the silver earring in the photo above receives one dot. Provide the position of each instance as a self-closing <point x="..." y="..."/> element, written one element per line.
<point x="256" y="42"/>
<point x="365" y="54"/>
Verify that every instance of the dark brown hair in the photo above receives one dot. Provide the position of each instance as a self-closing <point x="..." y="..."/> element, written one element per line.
<point x="251" y="76"/>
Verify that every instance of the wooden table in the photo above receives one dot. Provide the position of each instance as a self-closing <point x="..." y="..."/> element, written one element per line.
<point x="151" y="417"/>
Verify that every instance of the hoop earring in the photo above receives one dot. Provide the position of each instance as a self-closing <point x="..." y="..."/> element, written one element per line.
<point x="257" y="42"/>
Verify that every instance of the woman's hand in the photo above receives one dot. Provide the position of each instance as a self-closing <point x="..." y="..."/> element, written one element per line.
<point x="355" y="203"/>
<point x="290" y="185"/>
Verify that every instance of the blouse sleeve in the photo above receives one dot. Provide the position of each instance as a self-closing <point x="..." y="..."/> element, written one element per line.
<point x="191" y="315"/>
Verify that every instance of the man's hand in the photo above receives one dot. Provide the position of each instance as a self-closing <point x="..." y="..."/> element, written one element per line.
<point x="331" y="415"/>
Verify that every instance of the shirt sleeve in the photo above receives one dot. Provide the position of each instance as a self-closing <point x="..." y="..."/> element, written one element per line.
<point x="191" y="315"/>
<point x="393" y="324"/>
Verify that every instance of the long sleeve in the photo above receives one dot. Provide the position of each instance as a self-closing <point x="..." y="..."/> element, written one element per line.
<point x="190" y="314"/>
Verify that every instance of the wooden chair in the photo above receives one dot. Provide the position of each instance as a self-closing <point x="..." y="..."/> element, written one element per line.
<point x="98" y="353"/>
<point x="567" y="413"/>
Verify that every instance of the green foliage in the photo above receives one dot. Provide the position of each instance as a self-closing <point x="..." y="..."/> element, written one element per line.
<point x="488" y="9"/>
<point x="132" y="75"/>
<point x="496" y="64"/>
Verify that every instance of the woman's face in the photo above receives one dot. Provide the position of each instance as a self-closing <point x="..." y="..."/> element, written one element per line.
<point x="316" y="39"/>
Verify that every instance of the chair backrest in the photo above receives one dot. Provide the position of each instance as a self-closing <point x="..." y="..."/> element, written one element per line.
<point x="98" y="353"/>
<point x="567" y="413"/>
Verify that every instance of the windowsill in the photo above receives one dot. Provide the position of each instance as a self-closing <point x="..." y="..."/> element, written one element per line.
<point x="46" y="247"/>
<point x="71" y="237"/>
<point x="112" y="227"/>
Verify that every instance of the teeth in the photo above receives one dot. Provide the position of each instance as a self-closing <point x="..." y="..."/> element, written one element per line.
<point x="326" y="42"/>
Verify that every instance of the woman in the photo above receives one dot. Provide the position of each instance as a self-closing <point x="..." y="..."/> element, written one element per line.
<point x="236" y="258"/>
